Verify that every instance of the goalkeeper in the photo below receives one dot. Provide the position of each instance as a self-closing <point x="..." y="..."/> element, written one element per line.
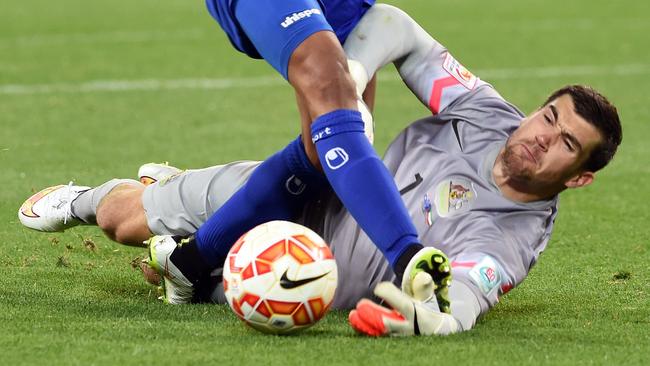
<point x="480" y="181"/>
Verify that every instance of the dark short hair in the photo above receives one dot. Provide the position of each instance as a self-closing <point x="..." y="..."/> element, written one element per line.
<point x="597" y="110"/>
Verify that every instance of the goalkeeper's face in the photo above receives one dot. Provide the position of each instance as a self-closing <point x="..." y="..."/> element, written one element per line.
<point x="549" y="148"/>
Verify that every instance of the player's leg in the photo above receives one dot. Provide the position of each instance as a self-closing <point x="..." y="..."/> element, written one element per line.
<point x="176" y="204"/>
<point x="128" y="212"/>
<point x="58" y="208"/>
<point x="318" y="71"/>
<point x="281" y="185"/>
<point x="277" y="190"/>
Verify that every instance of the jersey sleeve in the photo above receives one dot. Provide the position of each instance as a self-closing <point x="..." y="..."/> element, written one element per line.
<point x="436" y="77"/>
<point x="387" y="34"/>
<point x="512" y="241"/>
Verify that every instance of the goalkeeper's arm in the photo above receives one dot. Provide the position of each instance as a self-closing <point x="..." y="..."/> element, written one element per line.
<point x="387" y="34"/>
<point x="470" y="296"/>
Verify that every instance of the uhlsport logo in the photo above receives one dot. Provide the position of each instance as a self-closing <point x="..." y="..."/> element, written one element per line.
<point x="336" y="158"/>
<point x="298" y="16"/>
<point x="320" y="134"/>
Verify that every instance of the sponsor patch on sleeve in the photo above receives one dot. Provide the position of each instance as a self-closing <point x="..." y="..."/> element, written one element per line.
<point x="459" y="72"/>
<point x="486" y="274"/>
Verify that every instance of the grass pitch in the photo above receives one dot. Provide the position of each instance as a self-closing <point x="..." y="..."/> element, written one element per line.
<point x="90" y="90"/>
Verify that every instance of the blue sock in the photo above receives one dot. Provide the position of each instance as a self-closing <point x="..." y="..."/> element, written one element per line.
<point x="362" y="182"/>
<point x="277" y="190"/>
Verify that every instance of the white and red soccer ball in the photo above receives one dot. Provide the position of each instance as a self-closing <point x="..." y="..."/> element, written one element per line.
<point x="280" y="277"/>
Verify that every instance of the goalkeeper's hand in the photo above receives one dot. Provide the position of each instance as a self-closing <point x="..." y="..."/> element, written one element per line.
<point x="417" y="315"/>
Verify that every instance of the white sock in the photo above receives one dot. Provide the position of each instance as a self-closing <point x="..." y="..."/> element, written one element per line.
<point x="84" y="207"/>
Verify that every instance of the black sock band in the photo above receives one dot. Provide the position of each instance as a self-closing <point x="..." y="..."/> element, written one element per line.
<point x="404" y="259"/>
<point x="189" y="261"/>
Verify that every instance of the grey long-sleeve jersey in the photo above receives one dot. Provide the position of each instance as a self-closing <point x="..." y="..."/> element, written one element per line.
<point x="443" y="167"/>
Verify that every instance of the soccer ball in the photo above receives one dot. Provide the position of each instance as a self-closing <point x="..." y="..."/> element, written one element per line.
<point x="280" y="277"/>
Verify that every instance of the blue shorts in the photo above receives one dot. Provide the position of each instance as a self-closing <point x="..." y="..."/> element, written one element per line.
<point x="273" y="29"/>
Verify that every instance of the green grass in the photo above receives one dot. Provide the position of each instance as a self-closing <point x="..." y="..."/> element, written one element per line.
<point x="586" y="302"/>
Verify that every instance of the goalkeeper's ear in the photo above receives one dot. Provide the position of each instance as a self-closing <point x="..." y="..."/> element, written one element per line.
<point x="580" y="180"/>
